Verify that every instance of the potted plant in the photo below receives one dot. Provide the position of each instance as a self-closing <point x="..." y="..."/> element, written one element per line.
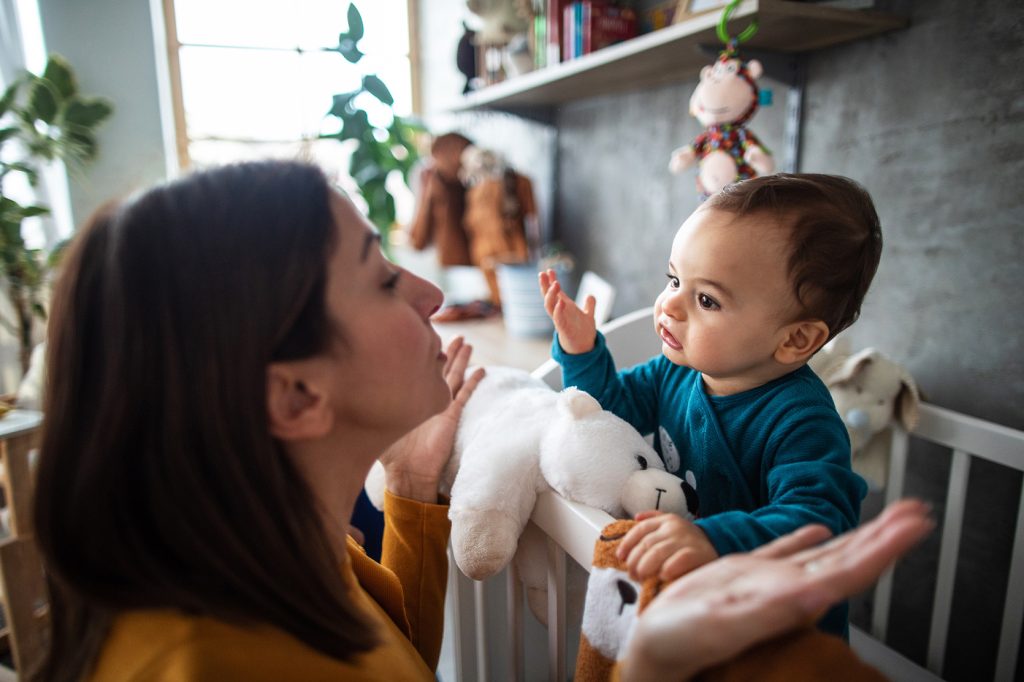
<point x="42" y="119"/>
<point x="380" y="148"/>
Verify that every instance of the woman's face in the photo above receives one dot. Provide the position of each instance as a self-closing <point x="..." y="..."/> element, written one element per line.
<point x="386" y="359"/>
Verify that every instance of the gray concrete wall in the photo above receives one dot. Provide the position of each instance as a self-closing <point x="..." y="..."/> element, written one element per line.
<point x="931" y="120"/>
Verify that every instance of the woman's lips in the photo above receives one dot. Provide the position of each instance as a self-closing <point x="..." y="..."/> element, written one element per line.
<point x="669" y="340"/>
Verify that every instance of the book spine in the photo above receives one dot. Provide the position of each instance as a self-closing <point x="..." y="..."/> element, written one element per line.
<point x="554" y="33"/>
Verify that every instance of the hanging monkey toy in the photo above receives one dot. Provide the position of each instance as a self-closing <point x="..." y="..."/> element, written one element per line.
<point x="725" y="99"/>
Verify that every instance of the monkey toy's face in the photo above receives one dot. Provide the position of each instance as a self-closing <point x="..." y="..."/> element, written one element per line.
<point x="723" y="94"/>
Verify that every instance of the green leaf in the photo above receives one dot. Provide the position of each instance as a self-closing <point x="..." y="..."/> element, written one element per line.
<point x="355" y="23"/>
<point x="354" y="126"/>
<point x="79" y="145"/>
<point x="376" y="87"/>
<point x="347" y="48"/>
<point x="7" y="133"/>
<point x="59" y="73"/>
<point x="7" y="99"/>
<point x="340" y="107"/>
<point x="42" y="104"/>
<point x="20" y="167"/>
<point x="87" y="113"/>
<point x="33" y="211"/>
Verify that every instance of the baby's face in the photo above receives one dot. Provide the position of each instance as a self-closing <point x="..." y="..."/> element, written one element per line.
<point x="727" y="299"/>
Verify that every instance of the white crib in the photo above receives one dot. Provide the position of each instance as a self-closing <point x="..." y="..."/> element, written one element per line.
<point x="488" y="631"/>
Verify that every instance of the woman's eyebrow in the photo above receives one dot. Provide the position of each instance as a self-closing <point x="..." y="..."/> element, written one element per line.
<point x="371" y="238"/>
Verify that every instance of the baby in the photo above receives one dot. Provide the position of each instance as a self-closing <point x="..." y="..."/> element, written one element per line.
<point x="760" y="277"/>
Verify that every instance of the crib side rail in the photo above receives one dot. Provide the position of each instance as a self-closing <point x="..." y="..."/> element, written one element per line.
<point x="966" y="437"/>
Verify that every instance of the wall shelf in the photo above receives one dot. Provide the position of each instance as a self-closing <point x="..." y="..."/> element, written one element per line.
<point x="678" y="52"/>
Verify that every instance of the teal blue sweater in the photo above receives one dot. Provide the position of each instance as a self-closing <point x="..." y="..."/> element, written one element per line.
<point x="764" y="462"/>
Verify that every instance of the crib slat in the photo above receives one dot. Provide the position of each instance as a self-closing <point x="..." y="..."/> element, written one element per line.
<point x="952" y="524"/>
<point x="480" y="612"/>
<point x="457" y="585"/>
<point x="894" y="491"/>
<point x="556" y="612"/>
<point x="1013" y="610"/>
<point x="514" y="597"/>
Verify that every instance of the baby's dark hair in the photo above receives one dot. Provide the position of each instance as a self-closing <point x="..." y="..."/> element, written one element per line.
<point x="835" y="237"/>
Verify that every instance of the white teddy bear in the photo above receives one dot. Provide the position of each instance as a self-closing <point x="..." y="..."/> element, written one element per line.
<point x="517" y="438"/>
<point x="870" y="391"/>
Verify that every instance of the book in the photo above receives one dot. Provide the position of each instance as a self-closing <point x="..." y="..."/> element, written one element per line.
<point x="589" y="25"/>
<point x="555" y="13"/>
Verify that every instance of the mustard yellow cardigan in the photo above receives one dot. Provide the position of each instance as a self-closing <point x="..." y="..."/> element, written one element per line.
<point x="405" y="594"/>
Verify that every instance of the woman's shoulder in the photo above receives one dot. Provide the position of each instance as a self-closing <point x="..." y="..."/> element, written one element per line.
<point x="171" y="645"/>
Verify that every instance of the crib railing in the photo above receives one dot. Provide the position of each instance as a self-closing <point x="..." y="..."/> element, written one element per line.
<point x="966" y="437"/>
<point x="489" y="629"/>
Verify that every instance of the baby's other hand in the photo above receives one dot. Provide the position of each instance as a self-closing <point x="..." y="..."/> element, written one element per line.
<point x="576" y="327"/>
<point x="664" y="545"/>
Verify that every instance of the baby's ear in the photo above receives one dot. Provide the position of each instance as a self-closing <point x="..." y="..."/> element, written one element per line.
<point x="800" y="341"/>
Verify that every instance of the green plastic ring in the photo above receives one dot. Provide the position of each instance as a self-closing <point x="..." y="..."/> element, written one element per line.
<point x="723" y="32"/>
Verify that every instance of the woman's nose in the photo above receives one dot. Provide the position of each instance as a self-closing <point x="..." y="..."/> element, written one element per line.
<point x="425" y="295"/>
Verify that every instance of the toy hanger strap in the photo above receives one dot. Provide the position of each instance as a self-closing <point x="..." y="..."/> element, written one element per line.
<point x="723" y="31"/>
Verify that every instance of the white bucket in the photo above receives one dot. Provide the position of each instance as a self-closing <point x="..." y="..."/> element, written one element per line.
<point x="522" y="305"/>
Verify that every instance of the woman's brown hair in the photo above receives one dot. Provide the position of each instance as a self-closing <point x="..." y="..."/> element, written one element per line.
<point x="159" y="485"/>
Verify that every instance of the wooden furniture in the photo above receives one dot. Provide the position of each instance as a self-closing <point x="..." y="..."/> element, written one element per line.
<point x="572" y="529"/>
<point x="22" y="585"/>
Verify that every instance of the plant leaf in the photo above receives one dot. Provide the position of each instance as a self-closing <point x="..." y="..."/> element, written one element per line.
<point x="58" y="72"/>
<point x="33" y="211"/>
<point x="340" y="106"/>
<point x="376" y="87"/>
<point x="7" y="99"/>
<point x="79" y="145"/>
<point x="42" y="104"/>
<point x="347" y="48"/>
<point x="355" y="23"/>
<point x="87" y="113"/>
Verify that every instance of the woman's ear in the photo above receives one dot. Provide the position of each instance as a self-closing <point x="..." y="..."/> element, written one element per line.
<point x="296" y="409"/>
<point x="800" y="341"/>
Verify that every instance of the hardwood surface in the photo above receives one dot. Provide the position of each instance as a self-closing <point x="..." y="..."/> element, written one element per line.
<point x="493" y="345"/>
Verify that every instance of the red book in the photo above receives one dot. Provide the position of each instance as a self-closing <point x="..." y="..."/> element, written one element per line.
<point x="556" y="9"/>
<point x="608" y="25"/>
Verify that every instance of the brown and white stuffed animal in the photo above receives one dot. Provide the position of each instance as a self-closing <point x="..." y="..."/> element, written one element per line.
<point x="613" y="601"/>
<point x="871" y="393"/>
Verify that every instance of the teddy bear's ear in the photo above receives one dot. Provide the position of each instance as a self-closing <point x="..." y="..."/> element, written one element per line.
<point x="755" y="69"/>
<point x="852" y="366"/>
<point x="578" y="403"/>
<point x="907" y="401"/>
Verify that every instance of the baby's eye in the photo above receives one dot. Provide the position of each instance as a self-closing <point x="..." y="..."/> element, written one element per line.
<point x="673" y="281"/>
<point x="707" y="303"/>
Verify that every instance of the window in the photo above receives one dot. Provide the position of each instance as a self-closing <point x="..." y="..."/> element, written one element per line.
<point x="255" y="78"/>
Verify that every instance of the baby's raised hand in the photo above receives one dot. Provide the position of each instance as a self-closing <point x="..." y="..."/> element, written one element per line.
<point x="576" y="327"/>
<point x="664" y="545"/>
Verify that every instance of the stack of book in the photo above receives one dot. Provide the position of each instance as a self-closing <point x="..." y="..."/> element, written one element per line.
<point x="590" y="25"/>
<point x="564" y="30"/>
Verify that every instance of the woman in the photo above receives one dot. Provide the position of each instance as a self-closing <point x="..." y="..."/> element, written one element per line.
<point x="228" y="356"/>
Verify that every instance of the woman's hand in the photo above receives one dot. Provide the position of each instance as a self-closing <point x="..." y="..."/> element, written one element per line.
<point x="576" y="327"/>
<point x="717" y="611"/>
<point x="413" y="465"/>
